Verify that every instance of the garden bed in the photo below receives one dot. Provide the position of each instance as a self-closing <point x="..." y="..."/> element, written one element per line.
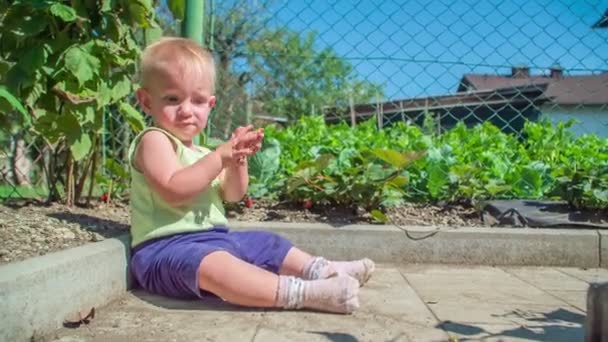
<point x="29" y="229"/>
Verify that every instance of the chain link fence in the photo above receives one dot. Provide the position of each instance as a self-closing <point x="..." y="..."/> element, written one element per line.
<point x="392" y="61"/>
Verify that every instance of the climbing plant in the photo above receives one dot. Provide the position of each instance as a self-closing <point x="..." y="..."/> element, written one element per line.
<point x="70" y="63"/>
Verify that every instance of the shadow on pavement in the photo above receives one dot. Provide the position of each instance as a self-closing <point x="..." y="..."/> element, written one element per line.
<point x="555" y="326"/>
<point x="335" y="337"/>
<point x="208" y="303"/>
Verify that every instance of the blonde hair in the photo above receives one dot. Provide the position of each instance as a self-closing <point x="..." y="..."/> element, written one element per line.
<point x="175" y="52"/>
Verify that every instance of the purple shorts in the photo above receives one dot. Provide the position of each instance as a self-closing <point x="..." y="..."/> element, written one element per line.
<point x="169" y="266"/>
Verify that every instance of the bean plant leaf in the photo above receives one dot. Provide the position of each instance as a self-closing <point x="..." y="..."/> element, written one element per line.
<point x="107" y="5"/>
<point x="133" y="116"/>
<point x="140" y="11"/>
<point x="178" y="8"/>
<point x="13" y="102"/>
<point x="64" y="12"/>
<point x="121" y="88"/>
<point x="82" y="64"/>
<point x="81" y="147"/>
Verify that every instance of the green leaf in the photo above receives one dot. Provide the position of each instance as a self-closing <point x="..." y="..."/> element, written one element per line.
<point x="153" y="34"/>
<point x="438" y="178"/>
<point x="33" y="58"/>
<point x="4" y="67"/>
<point x="323" y="161"/>
<point x="107" y="5"/>
<point x="399" y="181"/>
<point x="294" y="183"/>
<point x="24" y="22"/>
<point x="115" y="29"/>
<point x="392" y="157"/>
<point x="264" y="164"/>
<point x="140" y="12"/>
<point x="121" y="89"/>
<point x="81" y="146"/>
<point x="178" y="8"/>
<point x="601" y="195"/>
<point x="133" y="117"/>
<point x="104" y="94"/>
<point x="81" y="64"/>
<point x="64" y="12"/>
<point x="378" y="216"/>
<point x="13" y="103"/>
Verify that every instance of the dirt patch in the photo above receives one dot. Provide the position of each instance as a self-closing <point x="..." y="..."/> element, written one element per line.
<point x="32" y="229"/>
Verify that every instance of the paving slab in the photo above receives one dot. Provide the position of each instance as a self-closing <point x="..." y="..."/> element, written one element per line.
<point x="390" y="311"/>
<point x="478" y="285"/>
<point x="488" y="303"/>
<point x="296" y="326"/>
<point x="562" y="285"/>
<point x="548" y="279"/>
<point x="512" y="332"/>
<point x="139" y="316"/>
<point x="578" y="299"/>
<point x="399" y="303"/>
<point x="588" y="275"/>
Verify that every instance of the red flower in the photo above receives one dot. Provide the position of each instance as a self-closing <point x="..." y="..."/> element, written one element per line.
<point x="249" y="202"/>
<point x="307" y="204"/>
<point x="104" y="198"/>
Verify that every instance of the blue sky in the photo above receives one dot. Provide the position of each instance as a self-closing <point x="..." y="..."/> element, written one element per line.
<point x="418" y="48"/>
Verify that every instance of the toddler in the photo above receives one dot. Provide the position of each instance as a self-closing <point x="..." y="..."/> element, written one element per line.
<point x="181" y="246"/>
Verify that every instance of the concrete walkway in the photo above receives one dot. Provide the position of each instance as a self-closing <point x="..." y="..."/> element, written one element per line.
<point x="410" y="303"/>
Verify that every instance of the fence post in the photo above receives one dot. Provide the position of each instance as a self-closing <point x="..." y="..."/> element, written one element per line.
<point x="380" y="112"/>
<point x="353" y="117"/>
<point x="192" y="27"/>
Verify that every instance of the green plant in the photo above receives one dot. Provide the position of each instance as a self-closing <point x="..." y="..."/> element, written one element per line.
<point x="67" y="62"/>
<point x="353" y="166"/>
<point x="263" y="167"/>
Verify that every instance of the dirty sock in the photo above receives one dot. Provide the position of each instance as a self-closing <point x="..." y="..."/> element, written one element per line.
<point x="320" y="268"/>
<point x="337" y="294"/>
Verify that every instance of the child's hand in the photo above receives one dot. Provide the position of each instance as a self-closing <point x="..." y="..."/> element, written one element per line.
<point x="249" y="138"/>
<point x="244" y="143"/>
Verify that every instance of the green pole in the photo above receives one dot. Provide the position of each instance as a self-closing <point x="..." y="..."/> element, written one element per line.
<point x="192" y="27"/>
<point x="194" y="20"/>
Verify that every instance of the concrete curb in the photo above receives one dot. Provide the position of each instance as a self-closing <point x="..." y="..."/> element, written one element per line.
<point x="37" y="294"/>
<point x="603" y="248"/>
<point x="479" y="246"/>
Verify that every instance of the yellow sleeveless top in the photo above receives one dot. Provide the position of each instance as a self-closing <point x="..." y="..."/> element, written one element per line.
<point x="153" y="217"/>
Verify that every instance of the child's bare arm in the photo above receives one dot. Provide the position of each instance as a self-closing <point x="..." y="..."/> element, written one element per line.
<point x="234" y="180"/>
<point x="156" y="159"/>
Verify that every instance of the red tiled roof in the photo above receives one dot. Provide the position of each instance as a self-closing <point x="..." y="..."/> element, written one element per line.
<point x="569" y="90"/>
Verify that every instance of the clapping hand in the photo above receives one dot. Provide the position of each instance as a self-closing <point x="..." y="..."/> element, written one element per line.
<point x="248" y="138"/>
<point x="243" y="143"/>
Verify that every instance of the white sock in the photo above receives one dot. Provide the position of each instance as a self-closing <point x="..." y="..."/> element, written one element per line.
<point x="320" y="268"/>
<point x="337" y="294"/>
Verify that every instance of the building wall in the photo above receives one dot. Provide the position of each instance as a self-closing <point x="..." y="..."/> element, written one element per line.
<point x="590" y="119"/>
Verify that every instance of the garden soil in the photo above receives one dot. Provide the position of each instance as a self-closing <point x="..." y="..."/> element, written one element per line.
<point x="29" y="229"/>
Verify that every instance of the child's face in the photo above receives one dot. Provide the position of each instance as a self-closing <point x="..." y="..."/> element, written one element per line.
<point x="179" y="103"/>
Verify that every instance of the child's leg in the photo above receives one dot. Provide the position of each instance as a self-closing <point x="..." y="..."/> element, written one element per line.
<point x="302" y="264"/>
<point x="236" y="281"/>
<point x="294" y="263"/>
<point x="241" y="283"/>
